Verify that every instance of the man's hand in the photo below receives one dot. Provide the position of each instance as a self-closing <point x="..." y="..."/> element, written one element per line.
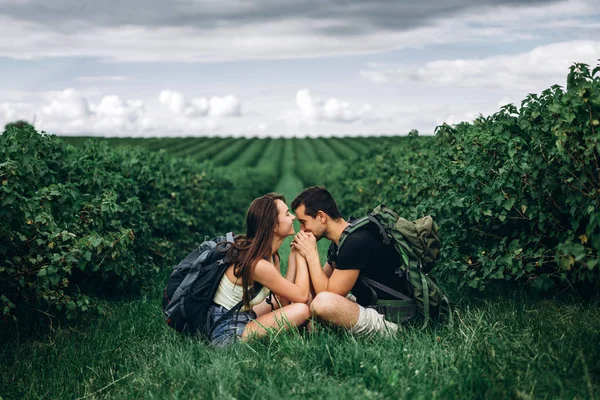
<point x="305" y="243"/>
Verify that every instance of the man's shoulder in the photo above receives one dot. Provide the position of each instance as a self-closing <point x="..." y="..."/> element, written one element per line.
<point x="361" y="236"/>
<point x="357" y="242"/>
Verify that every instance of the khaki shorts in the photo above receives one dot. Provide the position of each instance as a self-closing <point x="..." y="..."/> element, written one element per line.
<point x="371" y="323"/>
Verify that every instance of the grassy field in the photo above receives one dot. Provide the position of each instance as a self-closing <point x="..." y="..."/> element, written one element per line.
<point x="499" y="348"/>
<point x="513" y="345"/>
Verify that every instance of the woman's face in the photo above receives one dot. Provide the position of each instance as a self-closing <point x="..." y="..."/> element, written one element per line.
<point x="285" y="220"/>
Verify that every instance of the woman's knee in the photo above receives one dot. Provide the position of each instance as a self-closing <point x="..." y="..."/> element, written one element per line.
<point x="298" y="313"/>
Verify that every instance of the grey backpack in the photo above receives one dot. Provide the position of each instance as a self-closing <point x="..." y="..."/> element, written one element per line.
<point x="192" y="286"/>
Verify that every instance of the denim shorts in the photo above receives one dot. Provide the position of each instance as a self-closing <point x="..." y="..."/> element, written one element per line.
<point x="229" y="329"/>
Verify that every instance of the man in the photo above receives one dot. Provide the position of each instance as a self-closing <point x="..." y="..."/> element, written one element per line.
<point x="362" y="254"/>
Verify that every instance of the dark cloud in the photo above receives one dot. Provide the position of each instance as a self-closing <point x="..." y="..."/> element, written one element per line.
<point x="340" y="18"/>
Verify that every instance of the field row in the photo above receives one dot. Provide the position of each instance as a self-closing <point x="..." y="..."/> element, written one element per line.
<point x="255" y="152"/>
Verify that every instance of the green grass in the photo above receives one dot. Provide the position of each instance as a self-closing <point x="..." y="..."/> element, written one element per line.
<point x="500" y="347"/>
<point x="514" y="348"/>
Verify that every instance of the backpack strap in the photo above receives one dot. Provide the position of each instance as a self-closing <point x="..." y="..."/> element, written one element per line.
<point x="405" y="307"/>
<point x="226" y="315"/>
<point x="384" y="288"/>
<point x="359" y="223"/>
<point x="384" y="235"/>
<point x="269" y="301"/>
<point x="256" y="288"/>
<point x="352" y="226"/>
<point x="450" y="318"/>
<point x="425" y="296"/>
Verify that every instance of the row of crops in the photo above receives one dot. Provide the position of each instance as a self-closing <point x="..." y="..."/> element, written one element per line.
<point x="242" y="152"/>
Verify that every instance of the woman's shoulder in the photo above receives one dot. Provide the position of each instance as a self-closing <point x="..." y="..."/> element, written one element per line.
<point x="262" y="263"/>
<point x="263" y="270"/>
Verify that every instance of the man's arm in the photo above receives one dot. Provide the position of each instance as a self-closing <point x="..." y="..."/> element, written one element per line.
<point x="323" y="279"/>
<point x="328" y="269"/>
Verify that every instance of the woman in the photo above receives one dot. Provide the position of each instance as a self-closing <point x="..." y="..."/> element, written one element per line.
<point x="255" y="258"/>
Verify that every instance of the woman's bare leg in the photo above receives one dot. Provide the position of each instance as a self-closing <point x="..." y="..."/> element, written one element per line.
<point x="265" y="308"/>
<point x="292" y="315"/>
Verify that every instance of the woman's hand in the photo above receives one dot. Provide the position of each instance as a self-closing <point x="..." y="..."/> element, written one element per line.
<point x="305" y="243"/>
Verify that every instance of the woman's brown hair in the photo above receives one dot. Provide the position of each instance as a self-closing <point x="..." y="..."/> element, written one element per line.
<point x="261" y="219"/>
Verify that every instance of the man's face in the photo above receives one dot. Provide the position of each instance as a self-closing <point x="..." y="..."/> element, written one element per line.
<point x="310" y="224"/>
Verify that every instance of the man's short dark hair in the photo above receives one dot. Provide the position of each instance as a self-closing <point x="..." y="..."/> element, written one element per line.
<point x="315" y="199"/>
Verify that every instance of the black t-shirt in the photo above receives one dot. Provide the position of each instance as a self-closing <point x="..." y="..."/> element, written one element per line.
<point x="363" y="249"/>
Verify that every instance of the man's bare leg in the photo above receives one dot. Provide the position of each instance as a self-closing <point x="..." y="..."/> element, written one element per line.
<point x="335" y="310"/>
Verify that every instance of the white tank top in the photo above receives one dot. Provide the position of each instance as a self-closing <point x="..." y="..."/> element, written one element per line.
<point x="229" y="294"/>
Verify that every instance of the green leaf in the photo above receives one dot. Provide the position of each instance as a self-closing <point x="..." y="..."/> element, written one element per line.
<point x="508" y="203"/>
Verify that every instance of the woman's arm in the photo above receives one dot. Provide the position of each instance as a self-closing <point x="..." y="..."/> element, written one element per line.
<point x="290" y="274"/>
<point x="302" y="278"/>
<point x="269" y="276"/>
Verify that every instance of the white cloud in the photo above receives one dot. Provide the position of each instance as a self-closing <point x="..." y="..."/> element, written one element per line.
<point x="11" y="112"/>
<point x="115" y="115"/>
<point x="533" y="70"/>
<point x="66" y="105"/>
<point x="113" y="106"/>
<point x="226" y="106"/>
<point x="175" y="102"/>
<point x="70" y="112"/>
<point x="214" y="106"/>
<point x="312" y="109"/>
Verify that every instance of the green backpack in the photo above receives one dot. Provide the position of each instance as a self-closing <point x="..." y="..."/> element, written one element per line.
<point x="418" y="244"/>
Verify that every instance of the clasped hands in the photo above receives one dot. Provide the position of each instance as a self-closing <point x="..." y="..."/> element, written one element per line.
<point x="305" y="243"/>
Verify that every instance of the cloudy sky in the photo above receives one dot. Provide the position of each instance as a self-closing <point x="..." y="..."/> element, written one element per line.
<point x="279" y="67"/>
